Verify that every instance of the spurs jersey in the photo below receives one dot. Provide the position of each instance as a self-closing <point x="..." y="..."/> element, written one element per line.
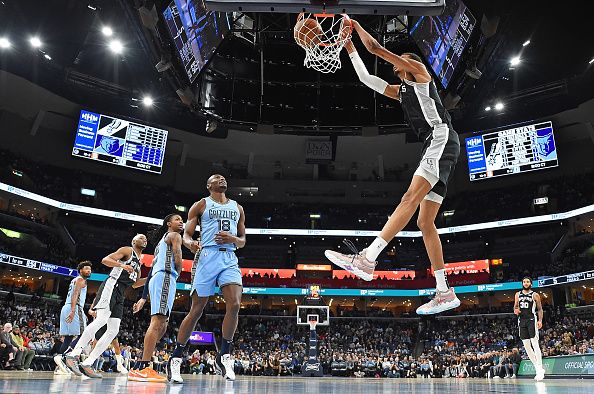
<point x="124" y="277"/>
<point x="218" y="217"/>
<point x="111" y="292"/>
<point x="527" y="306"/>
<point x="423" y="108"/>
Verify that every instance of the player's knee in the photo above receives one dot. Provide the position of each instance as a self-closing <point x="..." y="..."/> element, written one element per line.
<point x="233" y="306"/>
<point x="425" y="224"/>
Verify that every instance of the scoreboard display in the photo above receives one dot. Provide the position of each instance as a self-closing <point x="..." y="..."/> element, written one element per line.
<point x="120" y="142"/>
<point x="442" y="38"/>
<point x="511" y="151"/>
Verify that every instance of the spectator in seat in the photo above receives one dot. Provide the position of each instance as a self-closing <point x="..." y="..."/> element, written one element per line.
<point x="513" y="363"/>
<point x="24" y="355"/>
<point x="8" y="349"/>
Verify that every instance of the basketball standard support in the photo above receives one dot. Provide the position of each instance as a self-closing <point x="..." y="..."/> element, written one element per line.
<point x="364" y="7"/>
<point x="312" y="367"/>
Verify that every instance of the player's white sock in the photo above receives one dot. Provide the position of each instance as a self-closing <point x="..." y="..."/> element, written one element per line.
<point x="441" y="280"/>
<point x="375" y="248"/>
<point x="537" y="352"/>
<point x="113" y="327"/>
<point x="530" y="352"/>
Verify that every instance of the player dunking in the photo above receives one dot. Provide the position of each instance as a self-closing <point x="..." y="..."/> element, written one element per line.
<point x="161" y="286"/>
<point x="222" y="230"/>
<point x="108" y="307"/>
<point x="528" y="308"/>
<point x="73" y="320"/>
<point x="429" y="119"/>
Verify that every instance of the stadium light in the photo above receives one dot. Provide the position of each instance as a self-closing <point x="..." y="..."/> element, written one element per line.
<point x="314" y="216"/>
<point x="181" y="208"/>
<point x="87" y="192"/>
<point x="5" y="43"/>
<point x="499" y="106"/>
<point x="147" y="101"/>
<point x="591" y="61"/>
<point x="116" y="46"/>
<point x="35" y="42"/>
<point x="515" y="61"/>
<point x="526" y="43"/>
<point x="106" y="30"/>
<point x="487" y="108"/>
<point x="48" y="57"/>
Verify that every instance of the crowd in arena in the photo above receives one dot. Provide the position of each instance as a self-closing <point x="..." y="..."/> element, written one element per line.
<point x="563" y="192"/>
<point x="475" y="346"/>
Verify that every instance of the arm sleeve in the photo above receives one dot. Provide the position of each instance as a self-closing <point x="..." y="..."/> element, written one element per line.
<point x="145" y="290"/>
<point x="371" y="81"/>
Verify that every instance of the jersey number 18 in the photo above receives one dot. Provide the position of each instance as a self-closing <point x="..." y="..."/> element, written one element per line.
<point x="224" y="225"/>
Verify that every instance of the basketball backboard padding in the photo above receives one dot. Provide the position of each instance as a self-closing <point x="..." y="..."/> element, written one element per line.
<point x="351" y="7"/>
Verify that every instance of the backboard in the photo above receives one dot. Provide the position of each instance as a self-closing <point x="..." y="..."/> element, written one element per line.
<point x="365" y="7"/>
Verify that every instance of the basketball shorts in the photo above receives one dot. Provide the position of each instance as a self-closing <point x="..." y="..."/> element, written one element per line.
<point x="111" y="296"/>
<point x="162" y="288"/>
<point x="77" y="325"/>
<point x="527" y="328"/>
<point x="439" y="157"/>
<point x="214" y="267"/>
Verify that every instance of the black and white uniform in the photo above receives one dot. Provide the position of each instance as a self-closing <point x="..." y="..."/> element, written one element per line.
<point x="111" y="292"/>
<point x="527" y="318"/>
<point x="431" y="122"/>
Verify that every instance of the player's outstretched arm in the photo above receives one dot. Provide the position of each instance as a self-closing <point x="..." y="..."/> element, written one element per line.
<point x="417" y="69"/>
<point x="371" y="81"/>
<point x="113" y="259"/>
<point x="193" y="220"/>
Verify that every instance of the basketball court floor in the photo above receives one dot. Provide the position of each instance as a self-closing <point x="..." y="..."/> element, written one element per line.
<point x="45" y="382"/>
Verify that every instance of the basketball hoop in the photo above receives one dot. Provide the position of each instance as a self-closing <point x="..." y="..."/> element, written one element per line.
<point x="322" y="36"/>
<point x="312" y="320"/>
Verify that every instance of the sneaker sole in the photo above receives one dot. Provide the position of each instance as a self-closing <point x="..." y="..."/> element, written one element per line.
<point x="61" y="366"/>
<point x="445" y="307"/>
<point x="146" y="380"/>
<point x="354" y="270"/>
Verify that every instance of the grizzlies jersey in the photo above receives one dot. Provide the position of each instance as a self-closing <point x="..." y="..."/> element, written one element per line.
<point x="218" y="217"/>
<point x="423" y="108"/>
<point x="122" y="276"/>
<point x="164" y="260"/>
<point x="527" y="305"/>
<point x="83" y="293"/>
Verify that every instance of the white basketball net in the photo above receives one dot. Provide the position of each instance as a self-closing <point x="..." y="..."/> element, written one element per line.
<point x="331" y="34"/>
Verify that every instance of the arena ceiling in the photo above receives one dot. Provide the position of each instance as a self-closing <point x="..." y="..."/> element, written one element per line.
<point x="554" y="73"/>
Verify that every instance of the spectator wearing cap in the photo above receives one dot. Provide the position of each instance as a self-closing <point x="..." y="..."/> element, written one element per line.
<point x="24" y="355"/>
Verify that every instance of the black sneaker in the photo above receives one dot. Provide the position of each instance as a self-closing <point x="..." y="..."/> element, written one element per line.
<point x="88" y="370"/>
<point x="72" y="364"/>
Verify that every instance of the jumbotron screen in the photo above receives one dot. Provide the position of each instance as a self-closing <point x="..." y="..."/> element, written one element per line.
<point x="442" y="38"/>
<point x="196" y="33"/>
<point x="120" y="142"/>
<point x="511" y="151"/>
